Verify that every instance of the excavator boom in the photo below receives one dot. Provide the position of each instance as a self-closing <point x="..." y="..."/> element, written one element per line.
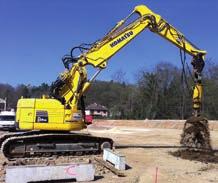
<point x="64" y="110"/>
<point x="74" y="79"/>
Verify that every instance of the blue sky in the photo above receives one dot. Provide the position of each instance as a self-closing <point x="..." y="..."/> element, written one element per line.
<point x="35" y="34"/>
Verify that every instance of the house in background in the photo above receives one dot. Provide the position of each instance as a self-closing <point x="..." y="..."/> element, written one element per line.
<point x="3" y="104"/>
<point x="97" y="110"/>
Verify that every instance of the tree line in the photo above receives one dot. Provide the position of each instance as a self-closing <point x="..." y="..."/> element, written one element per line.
<point x="157" y="94"/>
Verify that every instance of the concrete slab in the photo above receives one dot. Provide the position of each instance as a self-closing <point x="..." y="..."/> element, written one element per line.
<point x="116" y="159"/>
<point x="24" y="174"/>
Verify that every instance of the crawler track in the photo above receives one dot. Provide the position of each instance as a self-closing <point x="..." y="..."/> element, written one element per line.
<point x="40" y="144"/>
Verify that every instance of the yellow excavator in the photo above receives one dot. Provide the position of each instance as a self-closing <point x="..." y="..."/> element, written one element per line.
<point x="48" y="125"/>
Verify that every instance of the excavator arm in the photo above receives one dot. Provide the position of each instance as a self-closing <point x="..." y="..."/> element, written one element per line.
<point x="71" y="84"/>
<point x="61" y="112"/>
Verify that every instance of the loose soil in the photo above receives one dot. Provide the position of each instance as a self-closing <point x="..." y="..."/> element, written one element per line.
<point x="196" y="134"/>
<point x="144" y="163"/>
<point x="202" y="156"/>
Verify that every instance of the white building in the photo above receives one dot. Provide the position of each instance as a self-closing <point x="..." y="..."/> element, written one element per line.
<point x="97" y="110"/>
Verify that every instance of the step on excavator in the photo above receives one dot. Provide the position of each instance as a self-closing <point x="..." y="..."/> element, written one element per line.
<point x="49" y="125"/>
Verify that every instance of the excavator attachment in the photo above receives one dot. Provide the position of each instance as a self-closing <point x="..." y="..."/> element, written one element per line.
<point x="196" y="134"/>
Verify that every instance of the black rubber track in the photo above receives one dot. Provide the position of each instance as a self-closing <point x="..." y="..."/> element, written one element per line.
<point x="38" y="144"/>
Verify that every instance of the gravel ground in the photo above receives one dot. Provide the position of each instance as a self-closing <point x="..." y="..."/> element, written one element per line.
<point x="143" y="164"/>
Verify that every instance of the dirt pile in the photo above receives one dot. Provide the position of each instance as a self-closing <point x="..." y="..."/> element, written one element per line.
<point x="196" y="141"/>
<point x="162" y="124"/>
<point x="202" y="156"/>
<point x="196" y="134"/>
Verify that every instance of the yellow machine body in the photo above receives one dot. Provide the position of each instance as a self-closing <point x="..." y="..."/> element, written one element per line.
<point x="47" y="114"/>
<point x="197" y="94"/>
<point x="60" y="111"/>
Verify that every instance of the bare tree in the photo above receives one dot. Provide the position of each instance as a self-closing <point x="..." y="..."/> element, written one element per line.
<point x="119" y="76"/>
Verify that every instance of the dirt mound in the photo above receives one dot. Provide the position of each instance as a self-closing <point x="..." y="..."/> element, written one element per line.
<point x="202" y="156"/>
<point x="196" y="134"/>
<point x="165" y="124"/>
<point x="196" y="141"/>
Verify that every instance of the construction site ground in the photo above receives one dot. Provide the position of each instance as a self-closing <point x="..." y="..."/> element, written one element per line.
<point x="145" y="164"/>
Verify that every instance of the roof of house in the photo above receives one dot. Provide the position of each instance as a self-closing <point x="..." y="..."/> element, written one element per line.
<point x="96" y="106"/>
